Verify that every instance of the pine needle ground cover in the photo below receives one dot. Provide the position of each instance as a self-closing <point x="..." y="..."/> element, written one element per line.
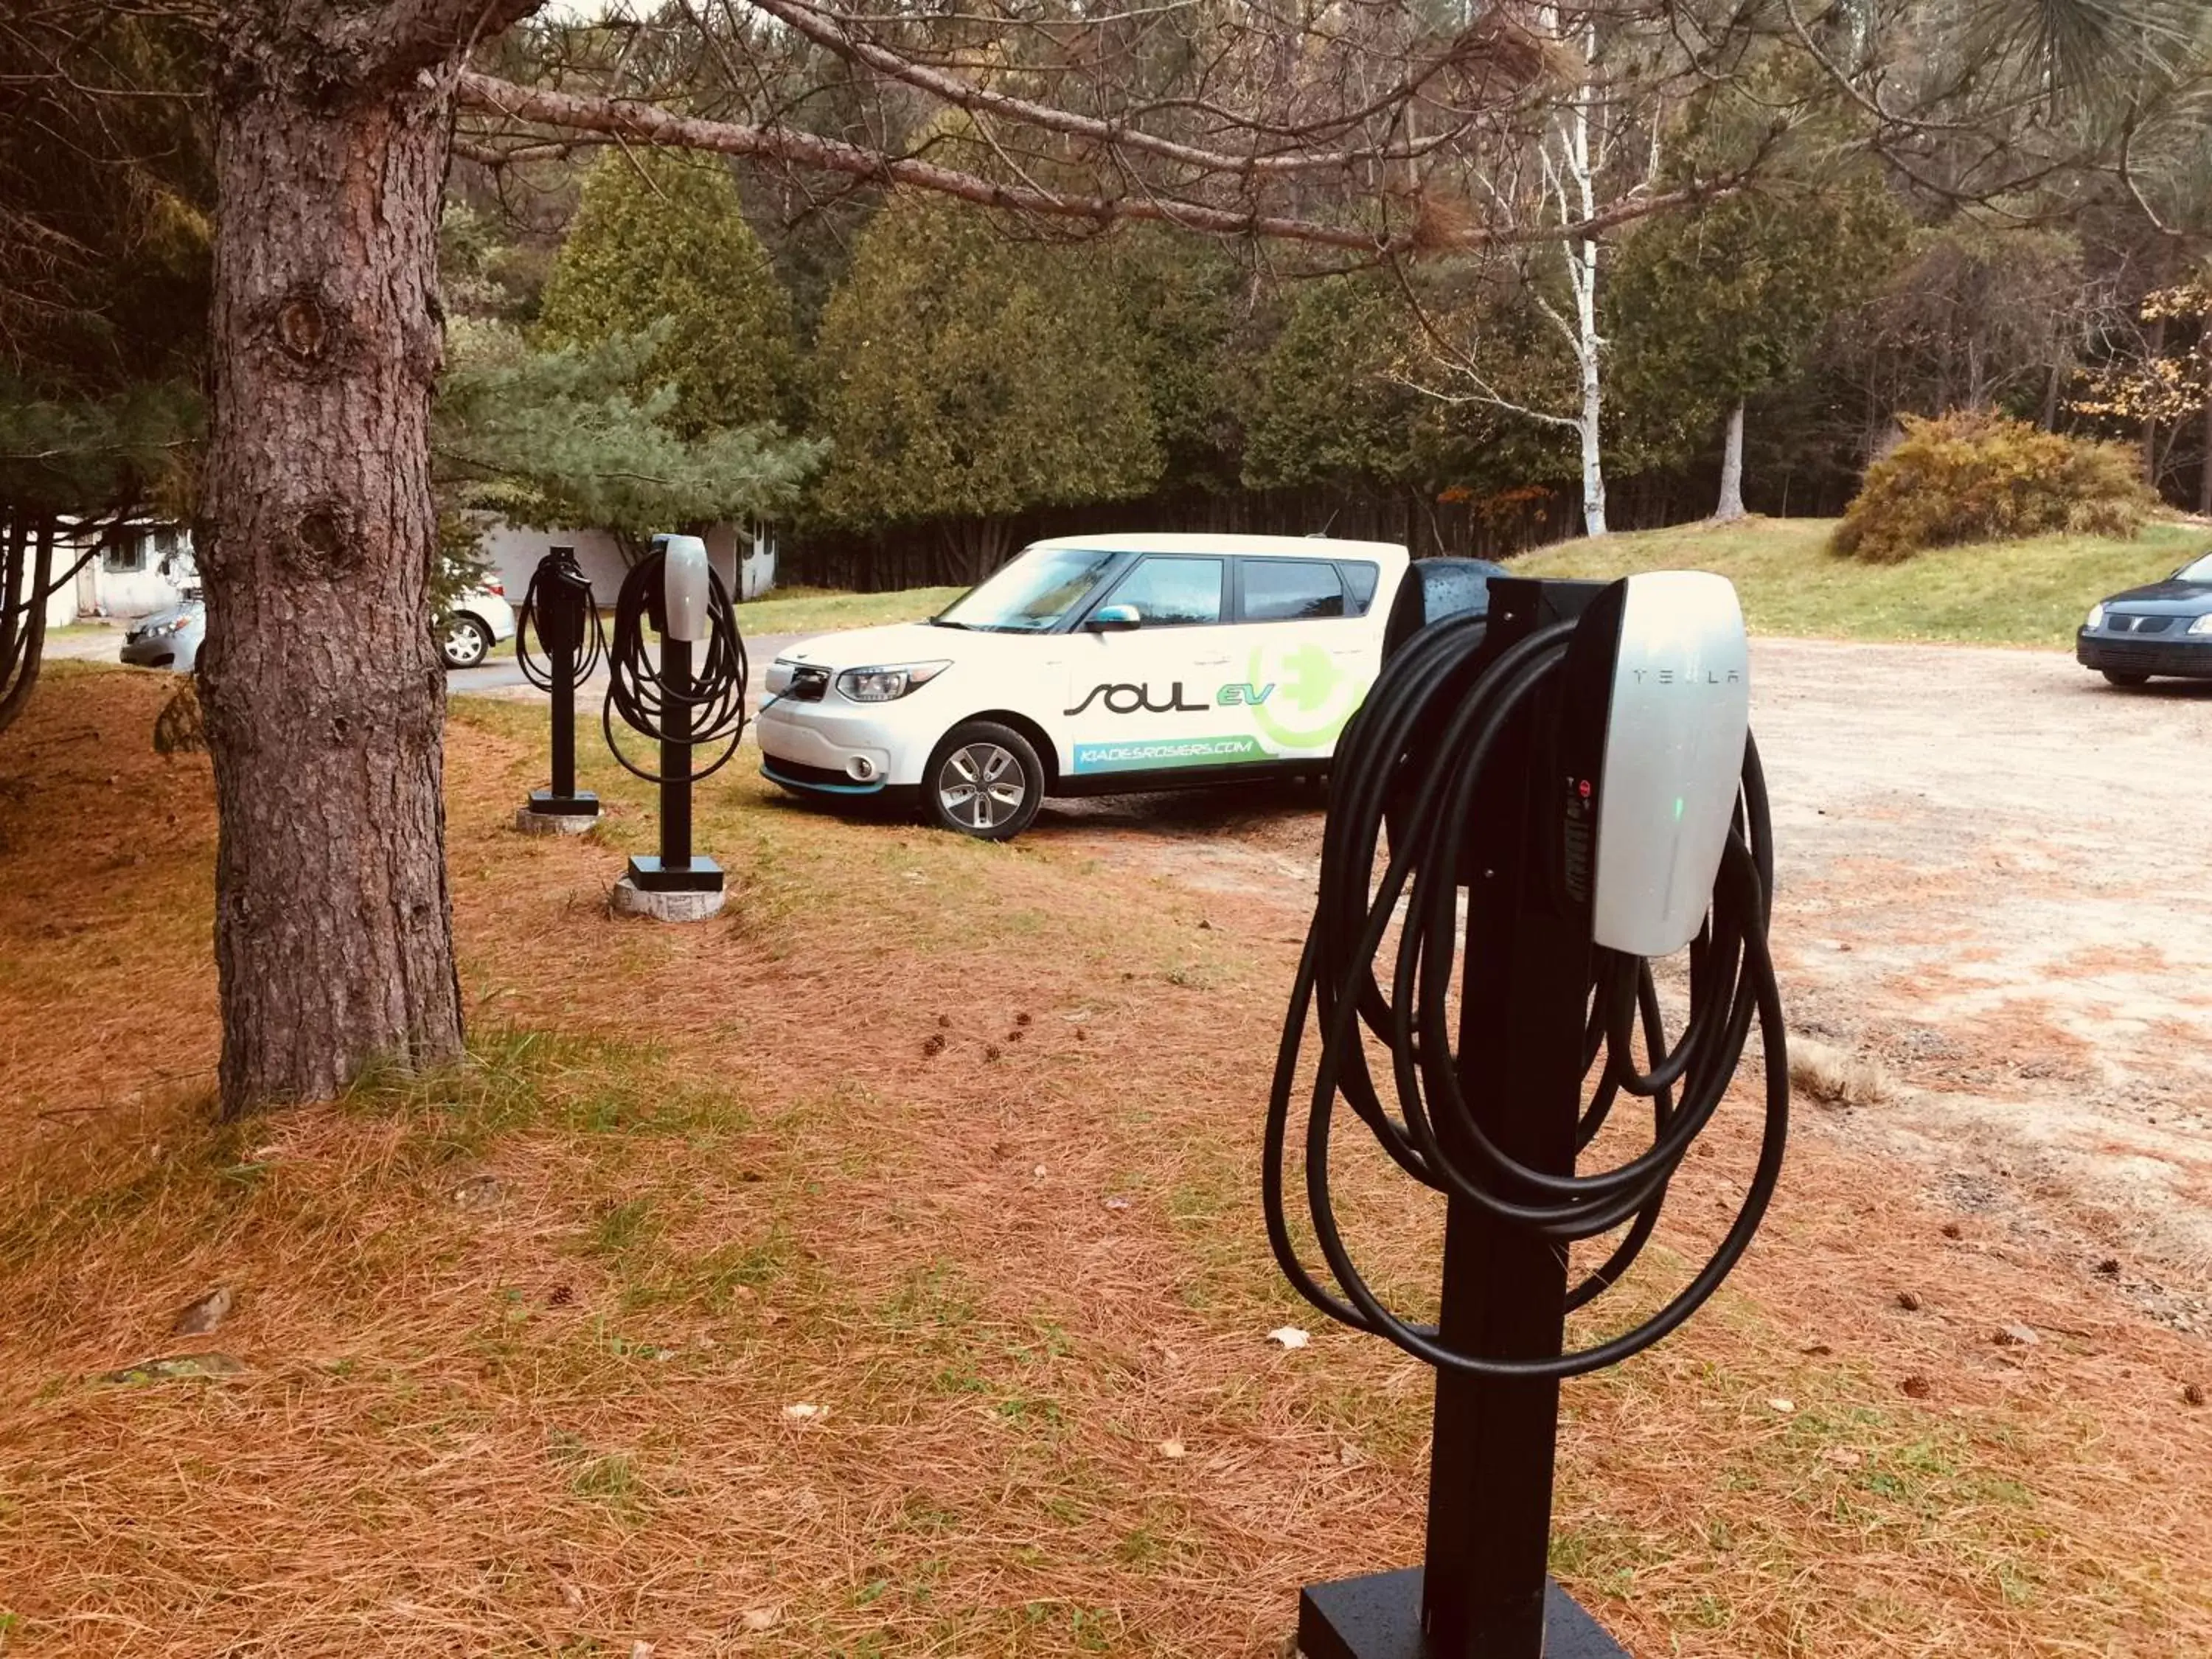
<point x="2033" y="592"/>
<point x="877" y="1271"/>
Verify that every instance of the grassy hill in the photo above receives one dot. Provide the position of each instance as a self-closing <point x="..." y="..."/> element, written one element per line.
<point x="824" y="609"/>
<point x="2025" y="593"/>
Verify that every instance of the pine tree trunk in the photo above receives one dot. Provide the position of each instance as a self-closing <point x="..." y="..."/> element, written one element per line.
<point x="324" y="695"/>
<point x="20" y="664"/>
<point x="11" y="595"/>
<point x="1731" y="503"/>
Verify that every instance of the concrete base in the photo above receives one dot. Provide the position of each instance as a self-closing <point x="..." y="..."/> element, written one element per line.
<point x="664" y="904"/>
<point x="533" y="823"/>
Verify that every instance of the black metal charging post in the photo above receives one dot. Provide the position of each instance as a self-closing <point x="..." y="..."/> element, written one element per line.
<point x="1483" y="1591"/>
<point x="1458" y="750"/>
<point x="688" y="694"/>
<point x="560" y="610"/>
<point x="677" y="869"/>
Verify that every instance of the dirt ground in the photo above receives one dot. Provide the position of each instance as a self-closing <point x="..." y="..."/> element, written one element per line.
<point x="877" y="1270"/>
<point x="1992" y="871"/>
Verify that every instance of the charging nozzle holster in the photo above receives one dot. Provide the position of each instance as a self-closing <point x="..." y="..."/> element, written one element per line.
<point x="559" y="602"/>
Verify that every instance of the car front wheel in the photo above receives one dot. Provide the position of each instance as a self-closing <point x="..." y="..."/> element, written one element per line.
<point x="2119" y="679"/>
<point x="465" y="643"/>
<point x="985" y="780"/>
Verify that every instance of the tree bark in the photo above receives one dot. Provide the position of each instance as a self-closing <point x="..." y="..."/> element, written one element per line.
<point x="1589" y="430"/>
<point x="19" y="671"/>
<point x="11" y="595"/>
<point x="324" y="695"/>
<point x="2204" y="467"/>
<point x="2157" y="350"/>
<point x="1731" y="502"/>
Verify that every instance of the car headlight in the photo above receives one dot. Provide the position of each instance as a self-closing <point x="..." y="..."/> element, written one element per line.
<point x="2202" y="624"/>
<point x="2096" y="616"/>
<point x="889" y="683"/>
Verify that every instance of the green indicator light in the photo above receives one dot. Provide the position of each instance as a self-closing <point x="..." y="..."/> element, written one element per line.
<point x="1678" y="809"/>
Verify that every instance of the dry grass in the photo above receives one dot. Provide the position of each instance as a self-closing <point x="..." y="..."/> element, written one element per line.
<point x="548" y="1415"/>
<point x="1836" y="1077"/>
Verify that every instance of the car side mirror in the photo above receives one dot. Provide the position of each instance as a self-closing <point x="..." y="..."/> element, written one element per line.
<point x="1113" y="619"/>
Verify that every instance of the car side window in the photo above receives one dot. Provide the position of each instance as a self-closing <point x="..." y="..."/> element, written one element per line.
<point x="1290" y="590"/>
<point x="1171" y="592"/>
<point x="1360" y="581"/>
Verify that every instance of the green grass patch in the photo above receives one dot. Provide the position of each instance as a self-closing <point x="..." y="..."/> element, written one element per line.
<point x="820" y="610"/>
<point x="516" y="1078"/>
<point x="2021" y="593"/>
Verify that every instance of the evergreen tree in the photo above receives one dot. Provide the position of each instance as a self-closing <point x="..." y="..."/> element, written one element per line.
<point x="1712" y="310"/>
<point x="1330" y="406"/>
<point x="663" y="235"/>
<point x="580" y="436"/>
<point x="963" y="377"/>
<point x="105" y="173"/>
<point x="1180" y="296"/>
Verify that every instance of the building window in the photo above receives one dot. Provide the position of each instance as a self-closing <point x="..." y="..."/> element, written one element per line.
<point x="124" y="558"/>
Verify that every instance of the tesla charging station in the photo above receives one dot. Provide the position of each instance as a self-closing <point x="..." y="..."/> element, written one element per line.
<point x="559" y="612"/>
<point x="689" y="695"/>
<point x="1578" y="768"/>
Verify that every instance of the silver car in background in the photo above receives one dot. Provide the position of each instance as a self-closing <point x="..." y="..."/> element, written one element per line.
<point x="480" y="619"/>
<point x="168" y="639"/>
<point x="172" y="639"/>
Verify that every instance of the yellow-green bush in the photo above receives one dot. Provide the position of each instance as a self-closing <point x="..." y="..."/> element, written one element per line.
<point x="1973" y="477"/>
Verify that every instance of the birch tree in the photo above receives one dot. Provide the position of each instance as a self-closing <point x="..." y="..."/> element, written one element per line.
<point x="1593" y="161"/>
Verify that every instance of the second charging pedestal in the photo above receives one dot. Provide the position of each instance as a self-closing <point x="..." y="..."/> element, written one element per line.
<point x="676" y="884"/>
<point x="1482" y="1591"/>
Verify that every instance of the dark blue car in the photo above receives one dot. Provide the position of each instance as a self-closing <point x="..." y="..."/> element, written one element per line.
<point x="2164" y="628"/>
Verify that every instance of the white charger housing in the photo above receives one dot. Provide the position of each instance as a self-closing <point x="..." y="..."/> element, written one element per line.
<point x="685" y="578"/>
<point x="1677" y="716"/>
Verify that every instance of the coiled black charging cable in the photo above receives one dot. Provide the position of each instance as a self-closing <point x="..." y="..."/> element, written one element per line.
<point x="559" y="569"/>
<point x="1422" y="756"/>
<point x="715" y="705"/>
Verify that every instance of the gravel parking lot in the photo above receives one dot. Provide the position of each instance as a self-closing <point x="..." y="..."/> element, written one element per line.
<point x="1993" y="885"/>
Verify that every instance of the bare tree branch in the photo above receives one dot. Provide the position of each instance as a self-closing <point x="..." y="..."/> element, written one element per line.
<point x="1399" y="227"/>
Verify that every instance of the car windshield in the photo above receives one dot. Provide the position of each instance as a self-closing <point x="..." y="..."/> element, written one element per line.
<point x="2197" y="571"/>
<point x="1035" y="591"/>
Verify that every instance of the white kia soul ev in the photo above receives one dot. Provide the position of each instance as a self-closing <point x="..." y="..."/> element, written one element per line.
<point x="1091" y="664"/>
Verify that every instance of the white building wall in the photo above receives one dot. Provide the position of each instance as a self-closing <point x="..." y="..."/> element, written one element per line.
<point x="122" y="583"/>
<point x="515" y="553"/>
<point x="744" y="558"/>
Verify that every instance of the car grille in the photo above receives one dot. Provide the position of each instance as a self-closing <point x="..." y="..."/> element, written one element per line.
<point x="2185" y="656"/>
<point x="794" y="772"/>
<point x="2127" y="623"/>
<point x="807" y="685"/>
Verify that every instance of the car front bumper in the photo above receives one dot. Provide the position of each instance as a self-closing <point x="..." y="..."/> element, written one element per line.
<point x="160" y="652"/>
<point x="2182" y="656"/>
<point x="837" y="748"/>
